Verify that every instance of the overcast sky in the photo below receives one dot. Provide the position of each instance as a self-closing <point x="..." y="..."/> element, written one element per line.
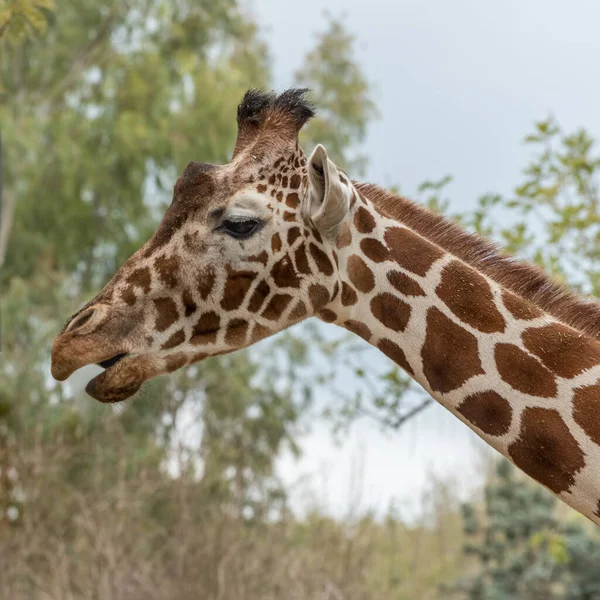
<point x="458" y="84"/>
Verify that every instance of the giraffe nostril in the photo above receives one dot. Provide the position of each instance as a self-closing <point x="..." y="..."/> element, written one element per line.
<point x="85" y="320"/>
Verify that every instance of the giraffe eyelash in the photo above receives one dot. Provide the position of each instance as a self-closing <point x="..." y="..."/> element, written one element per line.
<point x="240" y="228"/>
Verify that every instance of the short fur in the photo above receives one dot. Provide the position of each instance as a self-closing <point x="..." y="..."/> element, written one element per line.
<point x="525" y="280"/>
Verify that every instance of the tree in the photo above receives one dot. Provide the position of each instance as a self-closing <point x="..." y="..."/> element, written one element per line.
<point x="522" y="549"/>
<point x="342" y="95"/>
<point x="553" y="217"/>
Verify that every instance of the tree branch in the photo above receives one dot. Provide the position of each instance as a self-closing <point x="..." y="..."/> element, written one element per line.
<point x="413" y="412"/>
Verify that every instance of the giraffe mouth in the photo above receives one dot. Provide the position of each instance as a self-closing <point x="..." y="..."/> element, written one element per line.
<point x="106" y="364"/>
<point x="122" y="377"/>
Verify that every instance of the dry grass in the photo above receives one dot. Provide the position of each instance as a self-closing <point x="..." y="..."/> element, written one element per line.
<point x="108" y="531"/>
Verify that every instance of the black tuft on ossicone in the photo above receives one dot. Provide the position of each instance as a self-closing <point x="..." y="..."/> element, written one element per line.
<point x="253" y="104"/>
<point x="292" y="102"/>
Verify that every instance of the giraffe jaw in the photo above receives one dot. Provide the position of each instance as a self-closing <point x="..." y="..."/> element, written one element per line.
<point x="122" y="378"/>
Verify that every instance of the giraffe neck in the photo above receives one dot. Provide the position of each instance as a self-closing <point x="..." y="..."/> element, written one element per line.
<point x="525" y="382"/>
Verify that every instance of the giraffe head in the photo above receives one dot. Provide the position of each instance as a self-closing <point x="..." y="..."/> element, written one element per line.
<point x="244" y="250"/>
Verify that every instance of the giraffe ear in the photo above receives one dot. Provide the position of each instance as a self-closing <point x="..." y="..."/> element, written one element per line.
<point x="329" y="198"/>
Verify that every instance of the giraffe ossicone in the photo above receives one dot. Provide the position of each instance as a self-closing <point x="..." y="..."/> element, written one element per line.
<point x="250" y="248"/>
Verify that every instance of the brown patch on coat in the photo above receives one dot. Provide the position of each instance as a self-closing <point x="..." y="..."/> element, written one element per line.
<point x="405" y="284"/>
<point x="167" y="313"/>
<point x="364" y="220"/>
<point x="469" y="296"/>
<point x="141" y="278"/>
<point x="175" y="361"/>
<point x="283" y="273"/>
<point x="321" y="259"/>
<point x="519" y="308"/>
<point x="128" y="295"/>
<point x="336" y="291"/>
<point x="327" y="315"/>
<point x="374" y="250"/>
<point x="360" y="275"/>
<point x="411" y="251"/>
<point x="260" y="332"/>
<point x="261" y="291"/>
<point x="276" y="243"/>
<point x="168" y="269"/>
<point x="316" y="235"/>
<point x="523" y="372"/>
<point x="175" y="340"/>
<point x="563" y="350"/>
<point x="292" y="235"/>
<point x="289" y="217"/>
<point x="487" y="411"/>
<point x="450" y="353"/>
<point x="206" y="329"/>
<point x="358" y="328"/>
<point x="236" y="332"/>
<point x="189" y="306"/>
<point x="198" y="356"/>
<point x="193" y="242"/>
<point x="393" y="351"/>
<point x="586" y="410"/>
<point x="206" y="283"/>
<point x="546" y="450"/>
<point x="344" y="237"/>
<point x="262" y="258"/>
<point x="391" y="311"/>
<point x="319" y="296"/>
<point x="295" y="181"/>
<point x="276" y="306"/>
<point x="349" y="296"/>
<point x="302" y="260"/>
<point x="236" y="287"/>
<point x="299" y="311"/>
<point x="292" y="200"/>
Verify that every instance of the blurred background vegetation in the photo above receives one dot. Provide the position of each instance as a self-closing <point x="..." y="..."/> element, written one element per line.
<point x="175" y="495"/>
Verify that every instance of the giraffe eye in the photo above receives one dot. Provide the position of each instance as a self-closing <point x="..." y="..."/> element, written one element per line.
<point x="240" y="228"/>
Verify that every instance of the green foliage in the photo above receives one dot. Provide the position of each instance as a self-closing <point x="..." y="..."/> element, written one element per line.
<point x="101" y="114"/>
<point x="523" y="550"/>
<point x="20" y="19"/>
<point x="342" y="95"/>
<point x="553" y="217"/>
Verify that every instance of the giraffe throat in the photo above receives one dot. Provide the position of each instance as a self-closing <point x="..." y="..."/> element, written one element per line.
<point x="524" y="381"/>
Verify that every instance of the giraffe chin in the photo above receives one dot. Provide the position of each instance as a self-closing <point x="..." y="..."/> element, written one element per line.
<point x="120" y="381"/>
<point x="110" y="395"/>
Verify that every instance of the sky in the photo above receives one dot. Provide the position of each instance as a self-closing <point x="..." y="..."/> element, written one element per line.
<point x="458" y="85"/>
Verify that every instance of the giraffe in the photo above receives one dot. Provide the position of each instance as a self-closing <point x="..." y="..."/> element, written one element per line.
<point x="252" y="247"/>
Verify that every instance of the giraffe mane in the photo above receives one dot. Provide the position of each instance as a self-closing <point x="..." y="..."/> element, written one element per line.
<point x="526" y="280"/>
